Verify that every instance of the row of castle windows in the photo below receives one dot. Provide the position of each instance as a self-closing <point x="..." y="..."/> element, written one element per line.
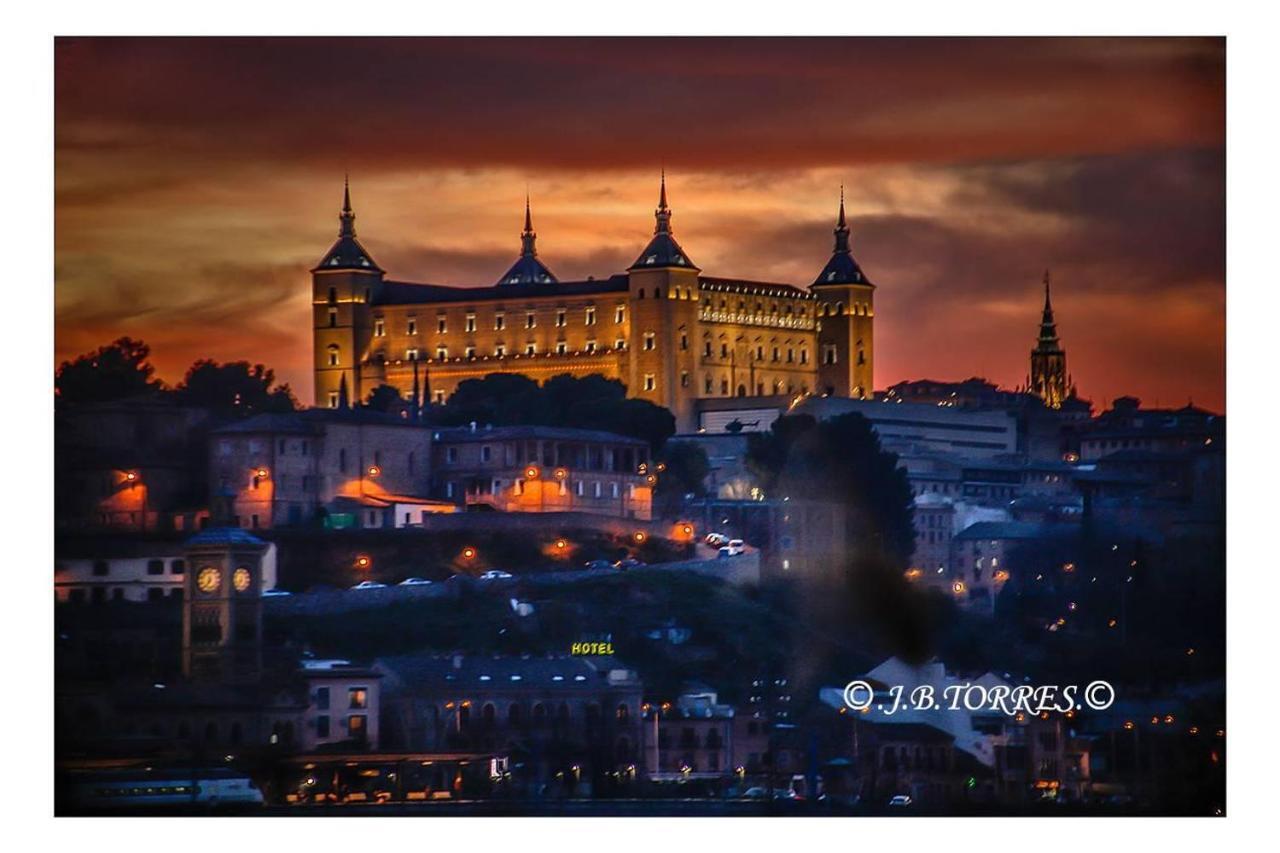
<point x="499" y="320"/>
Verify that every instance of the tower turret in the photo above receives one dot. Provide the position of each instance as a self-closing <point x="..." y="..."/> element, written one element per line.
<point x="1049" y="379"/>
<point x="846" y="319"/>
<point x="528" y="269"/>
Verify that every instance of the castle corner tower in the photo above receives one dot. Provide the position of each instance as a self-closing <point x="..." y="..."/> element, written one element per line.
<point x="846" y="314"/>
<point x="344" y="285"/>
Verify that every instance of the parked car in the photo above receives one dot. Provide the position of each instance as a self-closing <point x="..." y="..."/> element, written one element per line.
<point x="627" y="563"/>
<point x="496" y="574"/>
<point x="715" y="540"/>
<point x="275" y="593"/>
<point x="599" y="564"/>
<point x="900" y="801"/>
<point x="756" y="793"/>
<point x="415" y="582"/>
<point x="733" y="548"/>
<point x="369" y="585"/>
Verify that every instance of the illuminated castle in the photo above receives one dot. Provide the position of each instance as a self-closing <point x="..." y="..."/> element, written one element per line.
<point x="671" y="333"/>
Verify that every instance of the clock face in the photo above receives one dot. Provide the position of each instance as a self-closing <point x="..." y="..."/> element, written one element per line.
<point x="241" y="579"/>
<point x="209" y="579"/>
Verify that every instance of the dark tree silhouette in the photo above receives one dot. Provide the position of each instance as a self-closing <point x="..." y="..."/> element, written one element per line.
<point x="112" y="372"/>
<point x="235" y="389"/>
<point x="386" y="398"/>
<point x="685" y="469"/>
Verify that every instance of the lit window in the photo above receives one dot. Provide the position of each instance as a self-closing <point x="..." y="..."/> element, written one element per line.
<point x="530" y="348"/>
<point x="619" y="314"/>
<point x="470" y="325"/>
<point x="590" y="346"/>
<point x="379" y="327"/>
<point x="499" y="321"/>
<point x="333" y="355"/>
<point x="561" y="348"/>
<point x="442" y="324"/>
<point x="442" y="353"/>
<point x="412" y="327"/>
<point x="684" y="379"/>
<point x="560" y="317"/>
<point x="590" y="319"/>
<point x="411" y="354"/>
<point x="470" y="352"/>
<point x="828" y="353"/>
<point x="650" y="340"/>
<point x="620" y="343"/>
<point x="649" y="382"/>
<point x="333" y="399"/>
<point x="530" y="320"/>
<point x="500" y="351"/>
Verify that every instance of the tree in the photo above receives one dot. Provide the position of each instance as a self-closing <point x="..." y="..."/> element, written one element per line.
<point x="841" y="460"/>
<point x="235" y="389"/>
<point x="684" y="472"/>
<point x="112" y="372"/>
<point x="589" y="402"/>
<point x="386" y="398"/>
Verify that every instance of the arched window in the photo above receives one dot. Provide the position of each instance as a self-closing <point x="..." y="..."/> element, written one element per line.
<point x="513" y="715"/>
<point x="333" y="355"/>
<point x="488" y="714"/>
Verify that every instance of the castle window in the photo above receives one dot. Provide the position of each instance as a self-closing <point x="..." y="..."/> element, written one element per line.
<point x="775" y="353"/>
<point x="684" y="340"/>
<point x="333" y="317"/>
<point x="500" y="351"/>
<point x="706" y="349"/>
<point x="620" y="343"/>
<point x="591" y="346"/>
<point x="706" y="384"/>
<point x="411" y="354"/>
<point x="530" y="348"/>
<point x="412" y="326"/>
<point x="724" y="386"/>
<point x="650" y="340"/>
<point x="560" y="317"/>
<point x="591" y="317"/>
<point x="439" y="397"/>
<point x="561" y="348"/>
<point x="791" y="355"/>
<point x="499" y="321"/>
<point x="333" y="355"/>
<point x="684" y="379"/>
<point x="379" y="327"/>
<point x="828" y="353"/>
<point x="333" y="295"/>
<point x="530" y="320"/>
<point x="619" y="314"/>
<point x="649" y="382"/>
<point x="724" y="350"/>
<point x="470" y="352"/>
<point x="442" y="324"/>
<point x="333" y="399"/>
<point x="804" y="356"/>
<point x="442" y="353"/>
<point x="470" y="325"/>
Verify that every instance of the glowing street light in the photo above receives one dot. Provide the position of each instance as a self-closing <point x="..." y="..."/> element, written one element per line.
<point x="468" y="553"/>
<point x="363" y="561"/>
<point x="374" y="470"/>
<point x="262" y="473"/>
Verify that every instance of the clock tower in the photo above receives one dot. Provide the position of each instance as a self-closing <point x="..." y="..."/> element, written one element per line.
<point x="222" y="606"/>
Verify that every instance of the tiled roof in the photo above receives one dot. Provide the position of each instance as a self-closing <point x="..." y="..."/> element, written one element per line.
<point x="408" y="293"/>
<point x="529" y="431"/>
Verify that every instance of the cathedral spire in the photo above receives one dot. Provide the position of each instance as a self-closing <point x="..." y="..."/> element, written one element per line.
<point x="528" y="269"/>
<point x="663" y="250"/>
<point x="841" y="268"/>
<point x="1048" y="328"/>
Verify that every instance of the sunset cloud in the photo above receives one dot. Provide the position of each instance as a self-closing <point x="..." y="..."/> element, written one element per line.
<point x="199" y="180"/>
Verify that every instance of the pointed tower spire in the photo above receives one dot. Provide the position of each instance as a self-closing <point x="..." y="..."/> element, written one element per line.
<point x="1048" y="328"/>
<point x="347" y="219"/>
<point x="842" y="229"/>
<point x="528" y="237"/>
<point x="663" y="213"/>
<point x="1049" y="378"/>
<point x="841" y="268"/>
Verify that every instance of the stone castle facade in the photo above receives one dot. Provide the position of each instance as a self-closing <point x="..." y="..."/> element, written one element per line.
<point x="672" y="334"/>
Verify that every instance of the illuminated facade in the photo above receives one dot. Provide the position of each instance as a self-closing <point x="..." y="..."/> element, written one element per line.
<point x="670" y="333"/>
<point x="543" y="469"/>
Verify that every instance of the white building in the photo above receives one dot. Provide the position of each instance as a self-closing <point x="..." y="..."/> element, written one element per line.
<point x="343" y="704"/>
<point x="106" y="570"/>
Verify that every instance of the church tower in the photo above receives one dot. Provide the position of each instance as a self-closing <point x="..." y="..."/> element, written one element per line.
<point x="344" y="285"/>
<point x="846" y="316"/>
<point x="222" y="606"/>
<point x="1048" y="379"/>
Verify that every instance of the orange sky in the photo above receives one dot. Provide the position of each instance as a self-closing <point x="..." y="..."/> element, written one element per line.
<point x="197" y="181"/>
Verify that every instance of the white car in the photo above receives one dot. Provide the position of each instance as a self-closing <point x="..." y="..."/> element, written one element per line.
<point x="415" y="582"/>
<point x="496" y="575"/>
<point x="715" y="540"/>
<point x="369" y="585"/>
<point x="900" y="801"/>
<point x="275" y="593"/>
<point x="733" y="549"/>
